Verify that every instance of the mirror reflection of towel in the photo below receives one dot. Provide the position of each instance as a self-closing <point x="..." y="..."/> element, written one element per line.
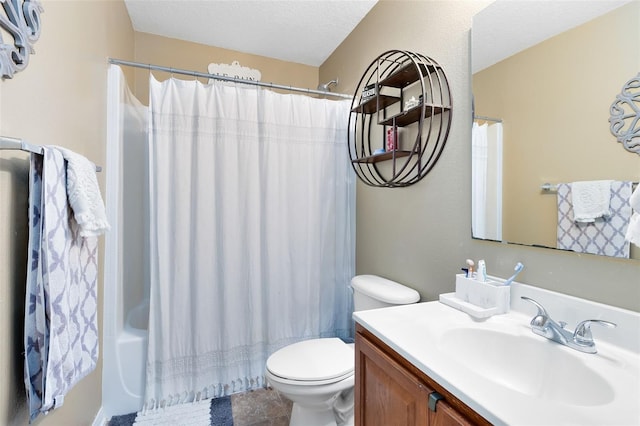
<point x="604" y="236"/>
<point x="633" y="231"/>
<point x="591" y="200"/>
<point x="634" y="200"/>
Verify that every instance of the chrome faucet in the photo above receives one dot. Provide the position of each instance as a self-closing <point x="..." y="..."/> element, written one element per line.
<point x="580" y="339"/>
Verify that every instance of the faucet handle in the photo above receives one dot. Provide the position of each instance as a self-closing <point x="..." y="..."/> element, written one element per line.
<point x="541" y="310"/>
<point x="541" y="317"/>
<point x="582" y="335"/>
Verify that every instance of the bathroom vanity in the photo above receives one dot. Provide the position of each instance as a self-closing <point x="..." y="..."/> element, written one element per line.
<point x="430" y="364"/>
<point x="391" y="391"/>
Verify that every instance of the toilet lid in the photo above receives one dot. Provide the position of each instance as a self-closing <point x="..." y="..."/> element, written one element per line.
<point x="313" y="360"/>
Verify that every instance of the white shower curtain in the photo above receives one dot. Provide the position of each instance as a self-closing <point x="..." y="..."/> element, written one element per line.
<point x="252" y="233"/>
<point x="486" y="170"/>
<point x="479" y="180"/>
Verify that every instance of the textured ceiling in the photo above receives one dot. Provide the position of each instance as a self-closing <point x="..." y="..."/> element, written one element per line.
<point x="301" y="31"/>
<point x="506" y="27"/>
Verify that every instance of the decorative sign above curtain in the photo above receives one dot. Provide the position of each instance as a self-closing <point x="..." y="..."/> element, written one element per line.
<point x="235" y="70"/>
<point x="20" y="19"/>
<point x="625" y="114"/>
<point x="400" y="119"/>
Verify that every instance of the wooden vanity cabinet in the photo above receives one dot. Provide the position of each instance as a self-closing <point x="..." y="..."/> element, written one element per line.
<point x="390" y="391"/>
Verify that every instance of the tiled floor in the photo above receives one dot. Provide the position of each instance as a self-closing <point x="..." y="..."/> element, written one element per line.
<point x="262" y="407"/>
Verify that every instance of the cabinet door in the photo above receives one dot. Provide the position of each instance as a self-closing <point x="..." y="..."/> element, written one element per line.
<point x="386" y="393"/>
<point x="445" y="415"/>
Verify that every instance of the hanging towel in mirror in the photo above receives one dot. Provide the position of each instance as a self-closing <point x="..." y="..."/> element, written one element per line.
<point x="633" y="231"/>
<point x="591" y="200"/>
<point x="603" y="236"/>
<point x="634" y="200"/>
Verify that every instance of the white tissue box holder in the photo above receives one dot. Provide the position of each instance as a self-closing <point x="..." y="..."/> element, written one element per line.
<point x="479" y="299"/>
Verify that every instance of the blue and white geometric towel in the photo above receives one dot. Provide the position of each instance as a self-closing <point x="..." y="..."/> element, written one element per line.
<point x="61" y="333"/>
<point x="605" y="236"/>
<point x="36" y="331"/>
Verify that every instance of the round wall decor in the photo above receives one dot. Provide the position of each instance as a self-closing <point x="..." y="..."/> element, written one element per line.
<point x="20" y="19"/>
<point x="625" y="114"/>
<point x="400" y="119"/>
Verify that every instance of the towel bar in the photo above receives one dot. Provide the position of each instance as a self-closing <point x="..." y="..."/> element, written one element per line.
<point x="553" y="187"/>
<point x="22" y="145"/>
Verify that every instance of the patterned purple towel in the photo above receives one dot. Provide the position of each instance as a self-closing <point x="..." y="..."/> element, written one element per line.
<point x="35" y="325"/>
<point x="605" y="236"/>
<point x="61" y="334"/>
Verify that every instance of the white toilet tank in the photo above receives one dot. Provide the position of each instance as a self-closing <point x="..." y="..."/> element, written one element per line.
<point x="372" y="292"/>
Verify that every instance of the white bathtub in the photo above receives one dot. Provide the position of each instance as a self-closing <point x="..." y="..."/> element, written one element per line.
<point x="125" y="383"/>
<point x="126" y="275"/>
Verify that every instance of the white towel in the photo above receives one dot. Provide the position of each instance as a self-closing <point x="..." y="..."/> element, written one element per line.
<point x="84" y="194"/>
<point x="633" y="231"/>
<point x="591" y="200"/>
<point x="634" y="200"/>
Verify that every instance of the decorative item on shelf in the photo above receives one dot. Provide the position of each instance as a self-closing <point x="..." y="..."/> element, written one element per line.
<point x="392" y="139"/>
<point x="413" y="102"/>
<point x="625" y="114"/>
<point x="368" y="93"/>
<point x="378" y="111"/>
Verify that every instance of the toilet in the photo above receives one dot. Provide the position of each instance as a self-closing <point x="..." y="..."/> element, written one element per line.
<point x="318" y="374"/>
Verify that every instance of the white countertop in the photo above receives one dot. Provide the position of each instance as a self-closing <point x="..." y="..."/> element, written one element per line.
<point x="428" y="336"/>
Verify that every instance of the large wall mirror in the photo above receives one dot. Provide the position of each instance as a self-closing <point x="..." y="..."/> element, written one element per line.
<point x="544" y="77"/>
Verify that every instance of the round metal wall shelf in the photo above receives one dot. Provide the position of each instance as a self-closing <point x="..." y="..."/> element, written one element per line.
<point x="400" y="119"/>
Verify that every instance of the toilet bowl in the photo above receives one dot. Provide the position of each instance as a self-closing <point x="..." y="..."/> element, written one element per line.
<point x="318" y="374"/>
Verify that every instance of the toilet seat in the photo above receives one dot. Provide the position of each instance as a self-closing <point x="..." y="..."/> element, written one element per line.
<point x="312" y="362"/>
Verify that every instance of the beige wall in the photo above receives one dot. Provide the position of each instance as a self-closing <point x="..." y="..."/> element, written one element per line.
<point x="157" y="50"/>
<point x="59" y="99"/>
<point x="555" y="118"/>
<point x="431" y="234"/>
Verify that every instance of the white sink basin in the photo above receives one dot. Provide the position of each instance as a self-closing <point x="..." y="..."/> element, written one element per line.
<point x="510" y="375"/>
<point x="528" y="365"/>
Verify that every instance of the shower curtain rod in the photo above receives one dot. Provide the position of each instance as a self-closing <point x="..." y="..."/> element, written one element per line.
<point x="221" y="77"/>
<point x="553" y="187"/>
<point x="7" y="142"/>
<point x="482" y="117"/>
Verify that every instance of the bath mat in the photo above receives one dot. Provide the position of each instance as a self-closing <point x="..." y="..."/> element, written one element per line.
<point x="210" y="412"/>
